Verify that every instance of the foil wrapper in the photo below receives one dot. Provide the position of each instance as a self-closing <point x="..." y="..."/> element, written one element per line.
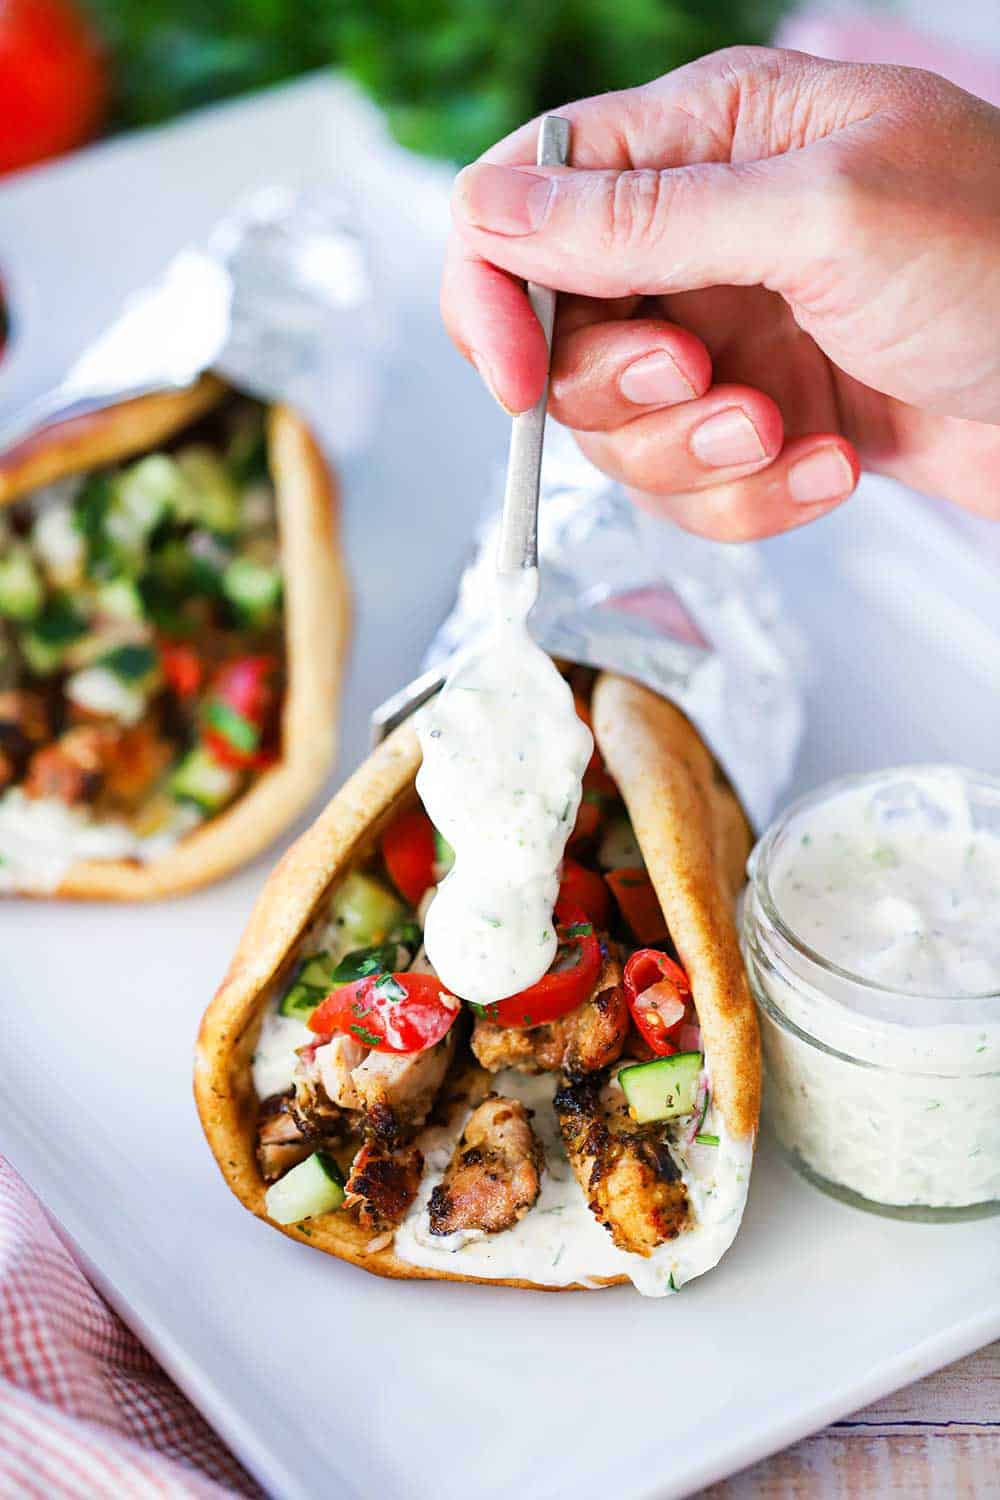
<point x="698" y="622"/>
<point x="279" y="302"/>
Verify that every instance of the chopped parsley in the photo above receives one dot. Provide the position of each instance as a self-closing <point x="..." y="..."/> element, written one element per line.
<point x="368" y="1037"/>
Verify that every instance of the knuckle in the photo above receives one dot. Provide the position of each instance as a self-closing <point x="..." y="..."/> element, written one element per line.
<point x="635" y="209"/>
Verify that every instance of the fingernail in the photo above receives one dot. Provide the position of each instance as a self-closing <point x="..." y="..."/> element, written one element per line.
<point x="502" y="200"/>
<point x="824" y="475"/>
<point x="490" y="383"/>
<point x="727" y="439"/>
<point x="654" y="380"/>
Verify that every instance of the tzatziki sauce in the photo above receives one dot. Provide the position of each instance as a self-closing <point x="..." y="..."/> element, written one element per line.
<point x="559" y="1242"/>
<point x="504" y="753"/>
<point x="872" y="934"/>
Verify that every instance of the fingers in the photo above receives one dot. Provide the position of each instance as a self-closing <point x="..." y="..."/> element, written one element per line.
<point x="490" y="320"/>
<point x="811" y="475"/>
<point x="606" y="374"/>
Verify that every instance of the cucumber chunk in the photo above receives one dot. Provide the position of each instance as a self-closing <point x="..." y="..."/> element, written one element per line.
<point x="254" y="589"/>
<point x="311" y="983"/>
<point x="315" y="1186"/>
<point x="619" y="848"/>
<point x="121" y="600"/>
<point x="22" y="592"/>
<point x="365" y="910"/>
<point x="201" y="780"/>
<point x="663" y="1089"/>
<point x="209" y="498"/>
<point x="147" y="492"/>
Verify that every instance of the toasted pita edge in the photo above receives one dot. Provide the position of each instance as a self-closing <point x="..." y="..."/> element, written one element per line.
<point x="695" y="840"/>
<point x="316" y="619"/>
<point x="346" y="831"/>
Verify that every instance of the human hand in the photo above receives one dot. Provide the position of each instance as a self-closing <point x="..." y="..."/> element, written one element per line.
<point x="778" y="269"/>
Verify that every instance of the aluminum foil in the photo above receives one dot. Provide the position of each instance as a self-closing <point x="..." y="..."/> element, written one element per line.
<point x="699" y="622"/>
<point x="278" y="301"/>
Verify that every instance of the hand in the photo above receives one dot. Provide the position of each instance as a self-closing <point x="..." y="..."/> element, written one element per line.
<point x="779" y="269"/>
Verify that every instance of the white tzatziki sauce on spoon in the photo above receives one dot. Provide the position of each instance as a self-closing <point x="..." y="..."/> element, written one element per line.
<point x="504" y="753"/>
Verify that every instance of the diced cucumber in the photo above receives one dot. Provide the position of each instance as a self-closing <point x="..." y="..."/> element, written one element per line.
<point x="253" y="587"/>
<point x="46" y="642"/>
<point x="444" y="855"/>
<point x="365" y="910"/>
<point x="98" y="690"/>
<point x="148" y="490"/>
<point x="315" y="1186"/>
<point x="121" y="600"/>
<point x="22" y="592"/>
<point x="663" y="1089"/>
<point x="619" y="848"/>
<point x="311" y="983"/>
<point x="210" y="497"/>
<point x="202" y="780"/>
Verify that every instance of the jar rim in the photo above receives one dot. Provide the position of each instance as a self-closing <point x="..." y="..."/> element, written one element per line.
<point x="759" y="871"/>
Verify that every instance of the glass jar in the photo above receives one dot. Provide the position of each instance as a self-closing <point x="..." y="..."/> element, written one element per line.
<point x="882" y="1089"/>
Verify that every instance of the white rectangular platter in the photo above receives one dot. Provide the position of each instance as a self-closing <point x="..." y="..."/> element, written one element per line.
<point x="324" y="1380"/>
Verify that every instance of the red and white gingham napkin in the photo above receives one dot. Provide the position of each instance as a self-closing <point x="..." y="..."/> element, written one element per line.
<point x="86" y="1413"/>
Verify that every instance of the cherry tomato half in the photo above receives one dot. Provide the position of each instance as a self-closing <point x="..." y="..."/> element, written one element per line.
<point x="567" y="984"/>
<point x="639" y="904"/>
<point x="409" y="850"/>
<point x="388" y="1012"/>
<point x="181" y="667"/>
<point x="659" y="998"/>
<point x="238" y="710"/>
<point x="586" y="889"/>
<point x="53" y="84"/>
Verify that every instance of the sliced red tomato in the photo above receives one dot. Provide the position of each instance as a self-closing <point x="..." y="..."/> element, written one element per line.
<point x="388" y="1012"/>
<point x="53" y="80"/>
<point x="569" y="981"/>
<point x="659" y="998"/>
<point x="238" y="710"/>
<point x="586" y="889"/>
<point x="181" y="667"/>
<point x="638" y="904"/>
<point x="588" y="819"/>
<point x="409" y="850"/>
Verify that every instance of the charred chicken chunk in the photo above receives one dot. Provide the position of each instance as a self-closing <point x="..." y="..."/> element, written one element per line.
<point x="24" y="725"/>
<point x="397" y="1090"/>
<point x="281" y="1144"/>
<point x="312" y="1108"/>
<point x="585" y="1040"/>
<point x="494" y="1177"/>
<point x="627" y="1171"/>
<point x="383" y="1184"/>
<point x="72" y="769"/>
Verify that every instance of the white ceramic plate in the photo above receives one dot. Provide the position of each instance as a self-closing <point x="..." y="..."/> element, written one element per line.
<point x="323" y="1379"/>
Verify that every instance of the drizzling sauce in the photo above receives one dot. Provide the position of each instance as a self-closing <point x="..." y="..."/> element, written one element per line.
<point x="504" y="754"/>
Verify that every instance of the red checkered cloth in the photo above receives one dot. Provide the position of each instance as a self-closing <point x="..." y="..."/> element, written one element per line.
<point x="86" y="1413"/>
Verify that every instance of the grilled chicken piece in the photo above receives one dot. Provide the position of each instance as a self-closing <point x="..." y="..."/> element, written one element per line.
<point x="281" y="1144"/>
<point x="397" y="1090"/>
<point x="627" y="1171"/>
<point x="309" y="1104"/>
<point x="336" y="1061"/>
<point x="383" y="1184"/>
<point x="494" y="1177"/>
<point x="24" y="725"/>
<point x="135" y="759"/>
<point x="585" y="1040"/>
<point x="72" y="769"/>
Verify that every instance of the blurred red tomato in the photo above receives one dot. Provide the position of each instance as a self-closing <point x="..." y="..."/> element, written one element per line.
<point x="53" y="85"/>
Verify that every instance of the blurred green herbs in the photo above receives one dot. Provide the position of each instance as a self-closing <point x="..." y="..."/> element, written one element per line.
<point x="452" y="75"/>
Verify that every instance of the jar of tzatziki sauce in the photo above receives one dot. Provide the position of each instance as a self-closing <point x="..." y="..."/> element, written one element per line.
<point x="871" y="929"/>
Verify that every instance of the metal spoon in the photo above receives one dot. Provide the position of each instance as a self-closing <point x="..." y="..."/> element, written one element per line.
<point x="517" y="545"/>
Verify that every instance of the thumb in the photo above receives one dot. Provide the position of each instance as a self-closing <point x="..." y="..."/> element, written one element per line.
<point x="646" y="232"/>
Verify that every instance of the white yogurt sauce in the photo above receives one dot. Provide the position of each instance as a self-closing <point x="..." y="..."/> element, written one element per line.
<point x="40" y="838"/>
<point x="504" y="754"/>
<point x="559" y="1241"/>
<point x="886" y="1083"/>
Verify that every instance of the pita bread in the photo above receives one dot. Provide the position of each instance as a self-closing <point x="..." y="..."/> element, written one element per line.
<point x="316" y="623"/>
<point x="694" y="838"/>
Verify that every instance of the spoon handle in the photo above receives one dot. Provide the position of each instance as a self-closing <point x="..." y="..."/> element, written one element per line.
<point x="518" y="544"/>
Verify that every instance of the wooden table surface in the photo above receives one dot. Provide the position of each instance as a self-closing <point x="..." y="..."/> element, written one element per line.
<point x="936" y="1440"/>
